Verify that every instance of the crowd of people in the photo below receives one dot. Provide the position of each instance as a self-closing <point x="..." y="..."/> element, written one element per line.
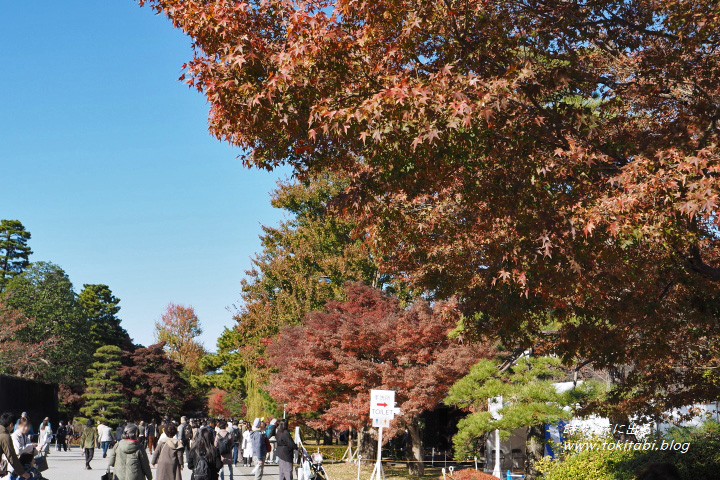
<point x="208" y="447"/>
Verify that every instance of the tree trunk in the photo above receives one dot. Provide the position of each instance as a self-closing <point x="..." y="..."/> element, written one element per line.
<point x="327" y="437"/>
<point x="620" y="424"/>
<point x="367" y="443"/>
<point x="535" y="450"/>
<point x="414" y="449"/>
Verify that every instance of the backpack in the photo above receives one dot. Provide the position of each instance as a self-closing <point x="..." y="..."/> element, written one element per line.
<point x="187" y="434"/>
<point x="202" y="468"/>
<point x="236" y="435"/>
<point x="224" y="444"/>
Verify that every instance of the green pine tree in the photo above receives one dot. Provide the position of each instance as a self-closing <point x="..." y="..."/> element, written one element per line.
<point x="529" y="399"/>
<point x="103" y="399"/>
<point x="14" y="251"/>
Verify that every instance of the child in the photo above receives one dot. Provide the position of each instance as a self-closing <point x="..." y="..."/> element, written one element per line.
<point x="28" y="462"/>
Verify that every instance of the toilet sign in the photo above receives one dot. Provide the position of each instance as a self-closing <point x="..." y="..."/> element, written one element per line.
<point x="382" y="405"/>
<point x="382" y="411"/>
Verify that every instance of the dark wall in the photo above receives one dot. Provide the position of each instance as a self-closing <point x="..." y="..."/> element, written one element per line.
<point x="38" y="399"/>
<point x="440" y="427"/>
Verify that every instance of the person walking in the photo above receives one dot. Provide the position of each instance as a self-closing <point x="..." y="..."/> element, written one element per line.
<point x="105" y="434"/>
<point x="7" y="448"/>
<point x="168" y="456"/>
<point x="151" y="431"/>
<point x="224" y="444"/>
<point x="88" y="441"/>
<point x="22" y="443"/>
<point x="129" y="458"/>
<point x="185" y="435"/>
<point x="142" y="439"/>
<point x="259" y="447"/>
<point x="61" y="437"/>
<point x="46" y="435"/>
<point x="285" y="450"/>
<point x="119" y="431"/>
<point x="205" y="460"/>
<point x="236" y="435"/>
<point x="247" y="448"/>
<point x="270" y="435"/>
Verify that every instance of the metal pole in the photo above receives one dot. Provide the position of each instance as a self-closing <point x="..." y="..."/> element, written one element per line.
<point x="475" y="463"/>
<point x="496" y="470"/>
<point x="432" y="458"/>
<point x="381" y="473"/>
<point x="359" y="465"/>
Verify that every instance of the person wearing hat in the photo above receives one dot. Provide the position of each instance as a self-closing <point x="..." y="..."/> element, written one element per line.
<point x="259" y="447"/>
<point x="129" y="457"/>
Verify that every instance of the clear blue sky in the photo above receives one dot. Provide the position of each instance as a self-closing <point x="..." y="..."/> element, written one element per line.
<point x="106" y="159"/>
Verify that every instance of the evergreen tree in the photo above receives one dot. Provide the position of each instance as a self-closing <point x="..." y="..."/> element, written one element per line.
<point x="100" y="307"/>
<point x="529" y="399"/>
<point x="45" y="295"/>
<point x="103" y="398"/>
<point x="14" y="251"/>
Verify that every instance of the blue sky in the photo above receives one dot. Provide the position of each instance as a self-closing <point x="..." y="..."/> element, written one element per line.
<point x="106" y="159"/>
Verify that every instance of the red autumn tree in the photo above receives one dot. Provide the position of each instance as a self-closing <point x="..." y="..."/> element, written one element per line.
<point x="216" y="403"/>
<point x="551" y="162"/>
<point x="19" y="357"/>
<point x="329" y="365"/>
<point x="154" y="386"/>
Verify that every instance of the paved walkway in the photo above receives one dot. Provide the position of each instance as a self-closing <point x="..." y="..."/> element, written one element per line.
<point x="70" y="465"/>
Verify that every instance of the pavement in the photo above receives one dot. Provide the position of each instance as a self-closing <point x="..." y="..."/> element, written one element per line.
<point x="70" y="465"/>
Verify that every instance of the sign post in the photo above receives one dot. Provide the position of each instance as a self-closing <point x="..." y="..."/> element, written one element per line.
<point x="382" y="412"/>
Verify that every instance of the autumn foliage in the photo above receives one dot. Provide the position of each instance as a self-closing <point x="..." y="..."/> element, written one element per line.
<point x="554" y="164"/>
<point x="328" y="365"/>
<point x="216" y="403"/>
<point x="178" y="329"/>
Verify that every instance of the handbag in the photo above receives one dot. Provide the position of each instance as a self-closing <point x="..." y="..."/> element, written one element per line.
<point x="41" y="463"/>
<point x="3" y="467"/>
<point x="107" y="475"/>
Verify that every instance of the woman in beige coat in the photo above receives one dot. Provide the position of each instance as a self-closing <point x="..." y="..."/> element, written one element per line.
<point x="168" y="456"/>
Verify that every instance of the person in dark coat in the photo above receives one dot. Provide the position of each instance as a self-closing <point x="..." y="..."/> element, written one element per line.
<point x="285" y="450"/>
<point x="205" y="447"/>
<point x="61" y="437"/>
<point x="259" y="447"/>
<point x="119" y="432"/>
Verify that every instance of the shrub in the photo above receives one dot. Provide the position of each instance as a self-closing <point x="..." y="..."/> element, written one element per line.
<point x="471" y="474"/>
<point x="701" y="460"/>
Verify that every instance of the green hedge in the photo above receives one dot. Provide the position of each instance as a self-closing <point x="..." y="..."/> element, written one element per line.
<point x="701" y="460"/>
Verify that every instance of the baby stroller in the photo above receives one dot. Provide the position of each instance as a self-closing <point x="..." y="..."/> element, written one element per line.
<point x="312" y="465"/>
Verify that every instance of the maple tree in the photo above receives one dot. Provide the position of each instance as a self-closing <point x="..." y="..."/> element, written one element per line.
<point x="217" y="404"/>
<point x="178" y="329"/>
<point x="532" y="158"/>
<point x="153" y="385"/>
<point x="328" y="365"/>
<point x="18" y="357"/>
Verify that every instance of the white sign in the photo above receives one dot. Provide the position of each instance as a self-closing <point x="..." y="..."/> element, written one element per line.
<point x="382" y="404"/>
